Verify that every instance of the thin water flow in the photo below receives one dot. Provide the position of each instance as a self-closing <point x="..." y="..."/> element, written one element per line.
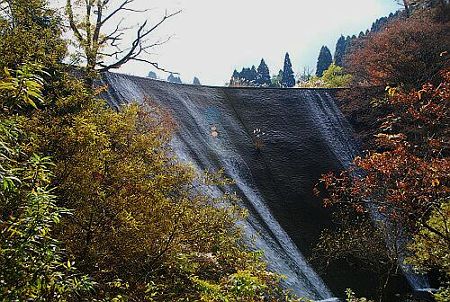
<point x="274" y="144"/>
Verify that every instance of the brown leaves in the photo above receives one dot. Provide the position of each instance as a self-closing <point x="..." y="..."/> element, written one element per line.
<point x="409" y="173"/>
<point x="410" y="52"/>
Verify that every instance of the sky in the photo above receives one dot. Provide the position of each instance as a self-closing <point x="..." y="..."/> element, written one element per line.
<point x="211" y="38"/>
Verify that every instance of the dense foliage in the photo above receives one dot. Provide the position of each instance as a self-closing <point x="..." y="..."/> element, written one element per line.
<point x="260" y="77"/>
<point x="263" y="74"/>
<point x="324" y="61"/>
<point x="141" y="226"/>
<point x="288" y="79"/>
<point x="340" y="51"/>
<point x="19" y="27"/>
<point x="391" y="206"/>
<point x="417" y="50"/>
<point x="333" y="77"/>
<point x="34" y="266"/>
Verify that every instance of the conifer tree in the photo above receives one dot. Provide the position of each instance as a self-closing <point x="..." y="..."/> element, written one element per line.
<point x="174" y="79"/>
<point x="341" y="47"/>
<point x="288" y="79"/>
<point x="253" y="76"/>
<point x="245" y="74"/>
<point x="152" y="75"/>
<point x="263" y="74"/>
<point x="324" y="61"/>
<point x="196" y="81"/>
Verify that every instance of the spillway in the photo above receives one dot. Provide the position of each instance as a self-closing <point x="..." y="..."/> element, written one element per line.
<point x="274" y="144"/>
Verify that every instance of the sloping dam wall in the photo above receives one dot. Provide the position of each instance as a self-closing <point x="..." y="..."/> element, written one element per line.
<point x="274" y="143"/>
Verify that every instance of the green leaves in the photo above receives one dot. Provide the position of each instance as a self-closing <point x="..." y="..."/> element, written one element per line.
<point x="22" y="87"/>
<point x="33" y="263"/>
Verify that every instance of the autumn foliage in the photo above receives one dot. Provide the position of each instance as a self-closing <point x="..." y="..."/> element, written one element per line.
<point x="408" y="52"/>
<point x="94" y="204"/>
<point x="410" y="176"/>
<point x="402" y="184"/>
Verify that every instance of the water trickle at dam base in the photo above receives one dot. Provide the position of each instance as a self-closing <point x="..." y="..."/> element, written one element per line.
<point x="273" y="143"/>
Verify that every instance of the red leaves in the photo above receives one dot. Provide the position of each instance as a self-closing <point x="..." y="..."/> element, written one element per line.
<point x="410" y="175"/>
<point x="409" y="51"/>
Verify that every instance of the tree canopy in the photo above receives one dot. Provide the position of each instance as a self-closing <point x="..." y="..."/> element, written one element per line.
<point x="263" y="74"/>
<point x="288" y="79"/>
<point x="324" y="61"/>
<point x="141" y="225"/>
<point x="339" y="53"/>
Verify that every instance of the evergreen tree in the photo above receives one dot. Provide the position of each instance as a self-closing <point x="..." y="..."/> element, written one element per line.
<point x="245" y="74"/>
<point x="276" y="79"/>
<point x="341" y="48"/>
<point x="196" y="81"/>
<point x="152" y="75"/>
<point x="174" y="79"/>
<point x="263" y="74"/>
<point x="324" y="61"/>
<point x="235" y="78"/>
<point x="253" y="75"/>
<point x="288" y="79"/>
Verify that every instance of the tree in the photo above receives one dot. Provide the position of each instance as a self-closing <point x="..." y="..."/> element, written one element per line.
<point x="307" y="74"/>
<point x="29" y="32"/>
<point x="263" y="74"/>
<point x="253" y="76"/>
<point x="196" y="81"/>
<point x="142" y="225"/>
<point x="276" y="79"/>
<point x="402" y="184"/>
<point x="152" y="75"/>
<point x="408" y="52"/>
<point x="34" y="264"/>
<point x="339" y="53"/>
<point x="174" y="79"/>
<point x="104" y="51"/>
<point x="430" y="251"/>
<point x="288" y="79"/>
<point x="334" y="76"/>
<point x="324" y="61"/>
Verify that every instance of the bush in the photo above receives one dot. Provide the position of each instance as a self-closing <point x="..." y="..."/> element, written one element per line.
<point x="34" y="266"/>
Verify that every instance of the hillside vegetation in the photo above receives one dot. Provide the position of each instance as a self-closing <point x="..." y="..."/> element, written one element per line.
<point x="94" y="204"/>
<point x="391" y="207"/>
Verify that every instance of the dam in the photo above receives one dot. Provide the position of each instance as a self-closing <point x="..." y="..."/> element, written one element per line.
<point x="274" y="144"/>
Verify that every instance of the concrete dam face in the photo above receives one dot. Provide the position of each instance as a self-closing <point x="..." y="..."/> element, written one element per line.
<point x="274" y="144"/>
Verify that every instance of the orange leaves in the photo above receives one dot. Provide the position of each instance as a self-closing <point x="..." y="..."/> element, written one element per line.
<point x="409" y="51"/>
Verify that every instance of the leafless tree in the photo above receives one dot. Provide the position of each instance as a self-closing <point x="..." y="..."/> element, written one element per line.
<point x="104" y="51"/>
<point x="307" y="73"/>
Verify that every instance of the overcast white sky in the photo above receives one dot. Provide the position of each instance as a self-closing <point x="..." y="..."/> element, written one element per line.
<point x="211" y="38"/>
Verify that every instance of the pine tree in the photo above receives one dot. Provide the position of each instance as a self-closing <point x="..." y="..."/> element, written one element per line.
<point x="196" y="81"/>
<point x="253" y="76"/>
<point x="341" y="48"/>
<point x="152" y="75"/>
<point x="174" y="79"/>
<point x="288" y="79"/>
<point x="324" y="61"/>
<point x="245" y="74"/>
<point x="263" y="74"/>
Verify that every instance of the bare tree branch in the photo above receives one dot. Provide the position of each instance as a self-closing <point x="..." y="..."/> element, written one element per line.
<point x="88" y="33"/>
<point x="136" y="47"/>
